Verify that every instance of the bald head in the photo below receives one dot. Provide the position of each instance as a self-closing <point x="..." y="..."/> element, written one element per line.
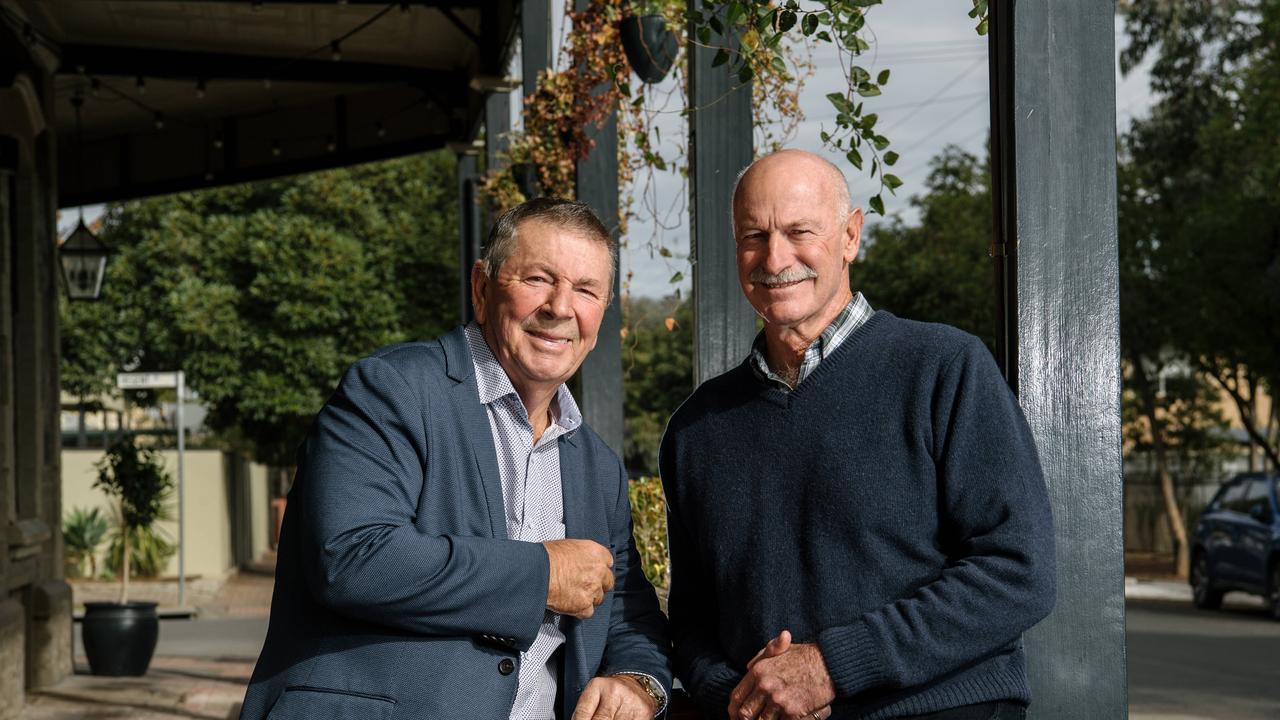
<point x="804" y="167"/>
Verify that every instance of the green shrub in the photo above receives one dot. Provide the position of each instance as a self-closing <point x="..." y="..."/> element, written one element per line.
<point x="82" y="533"/>
<point x="649" y="518"/>
<point x="149" y="551"/>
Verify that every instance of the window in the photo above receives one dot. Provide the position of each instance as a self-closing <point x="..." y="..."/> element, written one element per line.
<point x="1230" y="496"/>
<point x="1257" y="495"/>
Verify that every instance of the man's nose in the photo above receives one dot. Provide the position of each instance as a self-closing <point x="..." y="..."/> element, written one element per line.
<point x="560" y="301"/>
<point x="779" y="254"/>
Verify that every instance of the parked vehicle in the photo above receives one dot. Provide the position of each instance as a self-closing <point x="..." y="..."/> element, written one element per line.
<point x="1236" y="545"/>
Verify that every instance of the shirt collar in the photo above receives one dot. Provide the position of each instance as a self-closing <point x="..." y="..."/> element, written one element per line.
<point x="493" y="384"/>
<point x="850" y="318"/>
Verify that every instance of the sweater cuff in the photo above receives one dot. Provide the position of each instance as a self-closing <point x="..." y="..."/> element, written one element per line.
<point x="851" y="657"/>
<point x="716" y="688"/>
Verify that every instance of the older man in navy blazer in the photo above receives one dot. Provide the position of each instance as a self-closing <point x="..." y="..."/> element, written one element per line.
<point x="457" y="542"/>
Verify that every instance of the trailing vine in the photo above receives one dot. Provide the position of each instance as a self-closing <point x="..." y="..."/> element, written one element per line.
<point x="766" y="42"/>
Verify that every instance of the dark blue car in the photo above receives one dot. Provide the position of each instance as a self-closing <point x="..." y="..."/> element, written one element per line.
<point x="1236" y="545"/>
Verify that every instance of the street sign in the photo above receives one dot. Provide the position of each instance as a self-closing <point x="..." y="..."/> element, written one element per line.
<point x="176" y="379"/>
<point x="146" y="380"/>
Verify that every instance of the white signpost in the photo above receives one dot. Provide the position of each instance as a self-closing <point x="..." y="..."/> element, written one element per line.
<point x="149" y="381"/>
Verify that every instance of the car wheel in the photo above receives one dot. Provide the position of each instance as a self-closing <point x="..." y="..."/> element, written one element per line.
<point x="1273" y="598"/>
<point x="1203" y="593"/>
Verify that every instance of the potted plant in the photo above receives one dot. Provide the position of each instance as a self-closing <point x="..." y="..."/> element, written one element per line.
<point x="650" y="46"/>
<point x="120" y="637"/>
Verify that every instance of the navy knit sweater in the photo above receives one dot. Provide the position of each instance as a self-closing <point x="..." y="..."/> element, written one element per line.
<point x="891" y="509"/>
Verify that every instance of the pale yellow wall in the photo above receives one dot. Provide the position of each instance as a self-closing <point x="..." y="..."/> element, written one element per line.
<point x="208" y="516"/>
<point x="259" y="509"/>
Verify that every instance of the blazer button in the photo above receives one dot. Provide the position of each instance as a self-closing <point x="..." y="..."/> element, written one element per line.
<point x="506" y="667"/>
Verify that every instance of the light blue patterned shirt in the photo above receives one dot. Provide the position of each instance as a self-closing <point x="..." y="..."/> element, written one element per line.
<point x="533" y="502"/>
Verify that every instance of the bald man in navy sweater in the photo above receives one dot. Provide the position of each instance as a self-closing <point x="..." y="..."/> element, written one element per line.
<point x="858" y="521"/>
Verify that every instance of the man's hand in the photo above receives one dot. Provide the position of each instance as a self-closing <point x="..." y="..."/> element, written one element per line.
<point x="581" y="573"/>
<point x="784" y="681"/>
<point x="615" y="698"/>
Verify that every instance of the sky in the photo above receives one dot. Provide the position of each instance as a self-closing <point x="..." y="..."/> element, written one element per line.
<point x="936" y="96"/>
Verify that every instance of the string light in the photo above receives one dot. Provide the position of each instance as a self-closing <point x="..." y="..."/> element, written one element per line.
<point x="94" y="87"/>
<point x="329" y="144"/>
<point x="266" y="83"/>
<point x="380" y="129"/>
<point x="159" y="121"/>
<point x="28" y="34"/>
<point x="217" y="142"/>
<point x="142" y="85"/>
<point x="275" y="148"/>
<point x="200" y="89"/>
<point x="208" y="176"/>
<point x="336" y="50"/>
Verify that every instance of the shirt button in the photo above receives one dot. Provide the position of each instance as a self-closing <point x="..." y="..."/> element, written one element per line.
<point x="506" y="667"/>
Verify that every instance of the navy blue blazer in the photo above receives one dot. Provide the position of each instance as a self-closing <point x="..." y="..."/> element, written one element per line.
<point x="397" y="591"/>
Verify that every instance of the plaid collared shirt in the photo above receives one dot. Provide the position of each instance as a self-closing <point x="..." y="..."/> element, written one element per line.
<point x="852" y="317"/>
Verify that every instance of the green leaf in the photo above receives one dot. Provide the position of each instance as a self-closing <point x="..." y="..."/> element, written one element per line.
<point x="877" y="204"/>
<point x="786" y="21"/>
<point x="704" y="35"/>
<point x="883" y="77"/>
<point x="881" y="142"/>
<point x="840" y="102"/>
<point x="824" y="36"/>
<point x="676" y="278"/>
<point x="809" y="25"/>
<point x="893" y="181"/>
<point x="664" y="251"/>
<point x="716" y="25"/>
<point x="868" y="90"/>
<point x="982" y="27"/>
<point x="869" y="120"/>
<point x="855" y="158"/>
<point x="722" y="57"/>
<point x="826" y="136"/>
<point x="890" y="158"/>
<point x="745" y="74"/>
<point x="858" y="75"/>
<point x="779" y="65"/>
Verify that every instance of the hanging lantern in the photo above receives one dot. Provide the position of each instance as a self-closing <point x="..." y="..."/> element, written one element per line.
<point x="84" y="263"/>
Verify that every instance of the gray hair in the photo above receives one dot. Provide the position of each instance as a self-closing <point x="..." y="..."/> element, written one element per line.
<point x="566" y="214"/>
<point x="844" y="200"/>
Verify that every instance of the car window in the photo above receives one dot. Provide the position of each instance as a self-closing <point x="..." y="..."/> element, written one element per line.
<point x="1232" y="496"/>
<point x="1257" y="494"/>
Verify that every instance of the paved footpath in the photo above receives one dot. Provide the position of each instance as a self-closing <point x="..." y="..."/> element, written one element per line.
<point x="202" y="665"/>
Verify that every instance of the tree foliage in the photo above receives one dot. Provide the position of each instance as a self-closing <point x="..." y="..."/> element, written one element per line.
<point x="264" y="293"/>
<point x="657" y="366"/>
<point x="938" y="269"/>
<point x="1200" y="197"/>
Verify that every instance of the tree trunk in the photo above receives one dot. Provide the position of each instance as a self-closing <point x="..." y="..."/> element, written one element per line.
<point x="1177" y="528"/>
<point x="124" y="565"/>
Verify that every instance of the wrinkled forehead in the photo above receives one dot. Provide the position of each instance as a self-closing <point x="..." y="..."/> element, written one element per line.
<point x="782" y="197"/>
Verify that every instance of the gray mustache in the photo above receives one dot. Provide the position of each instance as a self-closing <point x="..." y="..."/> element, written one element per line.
<point x="796" y="272"/>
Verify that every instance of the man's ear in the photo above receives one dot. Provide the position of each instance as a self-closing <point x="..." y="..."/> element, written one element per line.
<point x="853" y="235"/>
<point x="479" y="283"/>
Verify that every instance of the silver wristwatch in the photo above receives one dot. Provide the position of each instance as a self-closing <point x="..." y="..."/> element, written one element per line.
<point x="650" y="686"/>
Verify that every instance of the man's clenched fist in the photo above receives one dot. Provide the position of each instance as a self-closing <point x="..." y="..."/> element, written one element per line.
<point x="581" y="573"/>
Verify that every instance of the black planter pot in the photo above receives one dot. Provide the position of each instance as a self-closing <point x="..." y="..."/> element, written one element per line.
<point x="650" y="46"/>
<point x="119" y="639"/>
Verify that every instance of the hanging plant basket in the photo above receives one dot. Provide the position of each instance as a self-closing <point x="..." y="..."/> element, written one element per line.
<point x="650" y="46"/>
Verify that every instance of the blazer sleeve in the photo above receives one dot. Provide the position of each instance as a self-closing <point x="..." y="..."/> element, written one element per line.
<point x="360" y="479"/>
<point x="638" y="638"/>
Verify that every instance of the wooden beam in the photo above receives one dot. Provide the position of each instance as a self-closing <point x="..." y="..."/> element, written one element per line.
<point x="106" y="60"/>
<point x="232" y="175"/>
<point x="1055" y="158"/>
<point x="719" y="148"/>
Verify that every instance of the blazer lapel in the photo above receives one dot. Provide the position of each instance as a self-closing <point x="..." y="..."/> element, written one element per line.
<point x="471" y="415"/>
